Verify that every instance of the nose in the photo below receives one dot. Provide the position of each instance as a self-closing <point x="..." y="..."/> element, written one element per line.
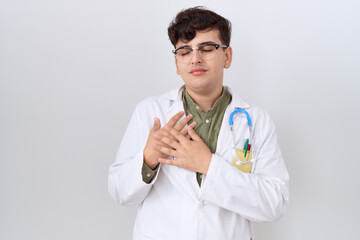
<point x="196" y="57"/>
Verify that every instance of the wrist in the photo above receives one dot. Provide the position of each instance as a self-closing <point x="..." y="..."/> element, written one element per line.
<point x="207" y="165"/>
<point x="151" y="164"/>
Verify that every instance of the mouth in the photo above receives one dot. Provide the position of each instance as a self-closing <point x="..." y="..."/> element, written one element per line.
<point x="198" y="71"/>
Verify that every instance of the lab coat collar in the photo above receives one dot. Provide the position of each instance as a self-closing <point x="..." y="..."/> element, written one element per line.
<point x="175" y="95"/>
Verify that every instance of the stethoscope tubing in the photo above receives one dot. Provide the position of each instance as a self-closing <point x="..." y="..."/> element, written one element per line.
<point x="231" y="123"/>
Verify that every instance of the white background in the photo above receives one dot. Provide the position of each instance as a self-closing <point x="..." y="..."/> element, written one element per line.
<point x="72" y="71"/>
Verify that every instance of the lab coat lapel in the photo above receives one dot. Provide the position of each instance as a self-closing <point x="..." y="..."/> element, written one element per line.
<point x="175" y="97"/>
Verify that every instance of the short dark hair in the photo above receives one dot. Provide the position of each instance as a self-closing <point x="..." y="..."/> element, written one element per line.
<point x="188" y="21"/>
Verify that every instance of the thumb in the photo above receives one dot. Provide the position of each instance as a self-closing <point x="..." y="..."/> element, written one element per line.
<point x="193" y="134"/>
<point x="156" y="125"/>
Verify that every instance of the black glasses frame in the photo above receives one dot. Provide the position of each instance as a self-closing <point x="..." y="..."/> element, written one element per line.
<point x="199" y="48"/>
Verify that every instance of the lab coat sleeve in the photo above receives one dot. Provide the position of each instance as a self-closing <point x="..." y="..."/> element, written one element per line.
<point x="261" y="196"/>
<point x="125" y="182"/>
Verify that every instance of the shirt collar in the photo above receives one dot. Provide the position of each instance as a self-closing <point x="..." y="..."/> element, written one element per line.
<point x="222" y="102"/>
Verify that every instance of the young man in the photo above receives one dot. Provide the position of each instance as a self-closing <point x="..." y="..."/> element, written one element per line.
<point x="195" y="177"/>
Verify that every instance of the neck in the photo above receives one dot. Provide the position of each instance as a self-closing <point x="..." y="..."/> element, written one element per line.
<point x="205" y="100"/>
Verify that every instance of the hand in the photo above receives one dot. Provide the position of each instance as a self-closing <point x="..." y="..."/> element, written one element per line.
<point x="151" y="155"/>
<point x="192" y="155"/>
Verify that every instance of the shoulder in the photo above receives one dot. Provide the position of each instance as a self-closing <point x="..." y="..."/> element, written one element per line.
<point x="169" y="96"/>
<point x="263" y="125"/>
<point x="158" y="105"/>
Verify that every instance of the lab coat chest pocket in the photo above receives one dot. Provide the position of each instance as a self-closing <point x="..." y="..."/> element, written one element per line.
<point x="230" y="139"/>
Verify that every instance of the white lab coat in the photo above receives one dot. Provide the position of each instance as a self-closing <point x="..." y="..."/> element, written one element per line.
<point x="173" y="206"/>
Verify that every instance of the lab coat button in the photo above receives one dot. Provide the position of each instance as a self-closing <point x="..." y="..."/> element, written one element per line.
<point x="201" y="204"/>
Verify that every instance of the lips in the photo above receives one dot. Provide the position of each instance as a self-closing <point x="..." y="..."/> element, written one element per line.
<point x="198" y="71"/>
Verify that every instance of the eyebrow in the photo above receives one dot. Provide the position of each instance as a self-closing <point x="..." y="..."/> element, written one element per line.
<point x="199" y="44"/>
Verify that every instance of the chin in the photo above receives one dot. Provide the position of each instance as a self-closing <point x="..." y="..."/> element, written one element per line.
<point x="199" y="83"/>
<point x="198" y="86"/>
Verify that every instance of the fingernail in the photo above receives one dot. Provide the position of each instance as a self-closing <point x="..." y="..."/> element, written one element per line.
<point x="165" y="126"/>
<point x="190" y="115"/>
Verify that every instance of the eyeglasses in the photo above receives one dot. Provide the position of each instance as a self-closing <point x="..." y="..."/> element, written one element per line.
<point x="207" y="52"/>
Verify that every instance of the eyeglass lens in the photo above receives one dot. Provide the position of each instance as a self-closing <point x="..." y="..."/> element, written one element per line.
<point x="206" y="52"/>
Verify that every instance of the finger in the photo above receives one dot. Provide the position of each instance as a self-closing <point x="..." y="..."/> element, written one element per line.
<point x="175" y="119"/>
<point x="168" y="141"/>
<point x="156" y="125"/>
<point x="184" y="131"/>
<point x="165" y="150"/>
<point x="178" y="136"/>
<point x="193" y="124"/>
<point x="163" y="132"/>
<point x="193" y="134"/>
<point x="157" y="142"/>
<point x="168" y="161"/>
<point x="181" y="124"/>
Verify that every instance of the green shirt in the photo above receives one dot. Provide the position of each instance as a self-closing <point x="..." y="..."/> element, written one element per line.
<point x="208" y="126"/>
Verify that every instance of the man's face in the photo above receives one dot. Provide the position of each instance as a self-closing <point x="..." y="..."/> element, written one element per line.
<point x="201" y="75"/>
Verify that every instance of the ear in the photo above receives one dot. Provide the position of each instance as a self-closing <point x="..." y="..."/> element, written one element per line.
<point x="177" y="67"/>
<point x="228" y="57"/>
